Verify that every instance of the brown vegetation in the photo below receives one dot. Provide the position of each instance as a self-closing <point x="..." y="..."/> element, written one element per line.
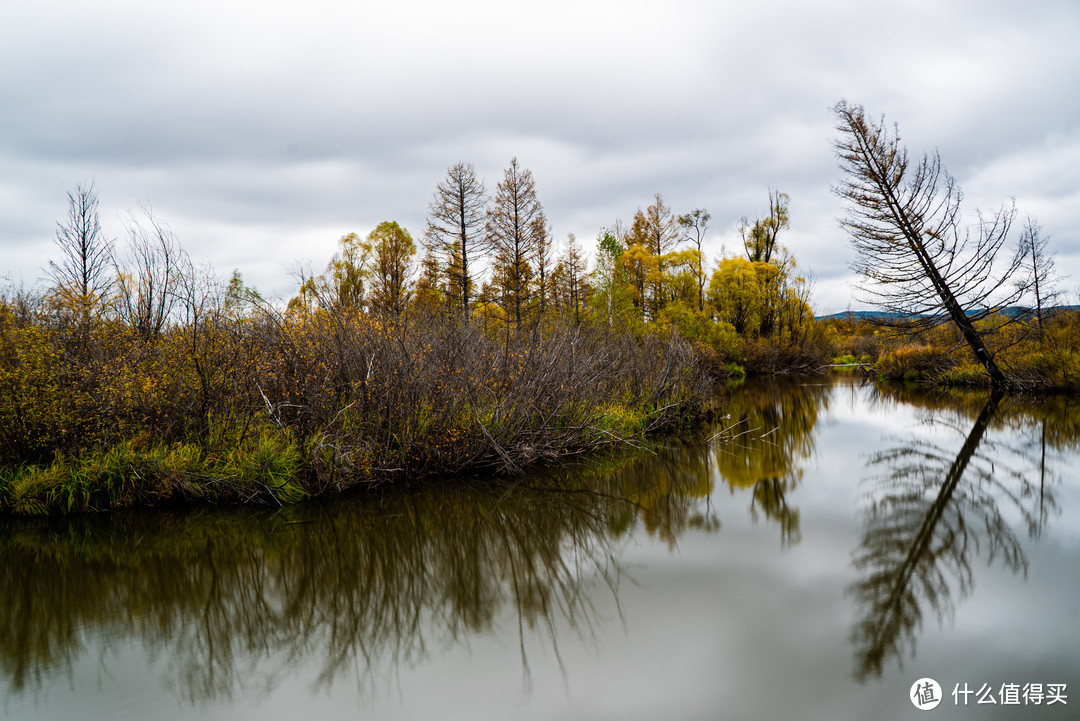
<point x="1033" y="356"/>
<point x="268" y="405"/>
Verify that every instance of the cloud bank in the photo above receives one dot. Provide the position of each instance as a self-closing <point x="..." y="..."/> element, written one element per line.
<point x="262" y="132"/>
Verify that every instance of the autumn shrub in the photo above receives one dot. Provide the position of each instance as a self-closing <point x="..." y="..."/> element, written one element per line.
<point x="37" y="412"/>
<point x="58" y="396"/>
<point x="1045" y="356"/>
<point x="765" y="356"/>
<point x="963" y="374"/>
<point x="859" y="340"/>
<point x="377" y="398"/>
<point x="1052" y="368"/>
<point x="269" y="406"/>
<point x="914" y="362"/>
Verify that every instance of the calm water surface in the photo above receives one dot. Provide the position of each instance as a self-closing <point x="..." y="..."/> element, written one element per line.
<point x="841" y="544"/>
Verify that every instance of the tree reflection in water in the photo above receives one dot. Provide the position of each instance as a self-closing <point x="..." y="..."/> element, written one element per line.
<point x="772" y="428"/>
<point x="929" y="513"/>
<point x="238" y="600"/>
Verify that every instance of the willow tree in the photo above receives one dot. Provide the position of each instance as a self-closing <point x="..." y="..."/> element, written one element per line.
<point x="392" y="265"/>
<point x="343" y="285"/>
<point x="149" y="274"/>
<point x="694" y="225"/>
<point x="759" y="239"/>
<point x="918" y="261"/>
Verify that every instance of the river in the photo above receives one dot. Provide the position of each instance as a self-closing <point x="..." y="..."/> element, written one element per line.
<point x="833" y="545"/>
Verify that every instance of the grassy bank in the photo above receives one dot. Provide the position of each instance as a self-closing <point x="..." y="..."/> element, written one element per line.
<point x="1035" y="356"/>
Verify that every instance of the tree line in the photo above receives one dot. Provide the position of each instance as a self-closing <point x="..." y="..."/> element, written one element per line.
<point x="498" y="348"/>
<point x="492" y="259"/>
<point x="137" y="377"/>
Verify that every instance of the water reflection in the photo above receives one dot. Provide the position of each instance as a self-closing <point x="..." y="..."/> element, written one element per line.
<point x="237" y="600"/>
<point x="930" y="511"/>
<point x="358" y="591"/>
<point x="662" y="491"/>
<point x="1058" y="414"/>
<point x="771" y="437"/>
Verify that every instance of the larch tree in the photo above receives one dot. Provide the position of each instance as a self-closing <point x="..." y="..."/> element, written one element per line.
<point x="84" y="274"/>
<point x="455" y="229"/>
<point x="427" y="293"/>
<point x="510" y="235"/>
<point x="916" y="258"/>
<point x="657" y="230"/>
<point x="572" y="282"/>
<point x="543" y="255"/>
<point x="1040" y="267"/>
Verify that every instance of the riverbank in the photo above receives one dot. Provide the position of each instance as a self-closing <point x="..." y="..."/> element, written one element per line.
<point x="835" y="489"/>
<point x="1035" y="355"/>
<point x="270" y="408"/>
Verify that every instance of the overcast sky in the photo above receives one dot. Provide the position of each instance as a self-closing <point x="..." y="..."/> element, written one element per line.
<point x="263" y="131"/>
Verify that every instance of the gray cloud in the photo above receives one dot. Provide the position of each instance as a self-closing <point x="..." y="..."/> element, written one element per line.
<point x="264" y="131"/>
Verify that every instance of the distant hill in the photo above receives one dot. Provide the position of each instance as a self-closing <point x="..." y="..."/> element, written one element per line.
<point x="860" y="315"/>
<point x="1014" y="311"/>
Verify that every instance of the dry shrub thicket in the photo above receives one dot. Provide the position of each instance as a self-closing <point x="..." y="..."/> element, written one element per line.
<point x="243" y="401"/>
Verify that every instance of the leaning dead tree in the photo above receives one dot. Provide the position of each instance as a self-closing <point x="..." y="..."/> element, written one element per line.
<point x="917" y="260"/>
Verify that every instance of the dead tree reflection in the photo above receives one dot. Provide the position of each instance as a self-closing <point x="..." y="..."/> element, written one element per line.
<point x="931" y="512"/>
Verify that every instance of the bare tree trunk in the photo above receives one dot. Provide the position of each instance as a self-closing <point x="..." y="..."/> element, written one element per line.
<point x="906" y="232"/>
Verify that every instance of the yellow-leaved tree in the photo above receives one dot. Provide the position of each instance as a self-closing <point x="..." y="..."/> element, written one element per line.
<point x="391" y="267"/>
